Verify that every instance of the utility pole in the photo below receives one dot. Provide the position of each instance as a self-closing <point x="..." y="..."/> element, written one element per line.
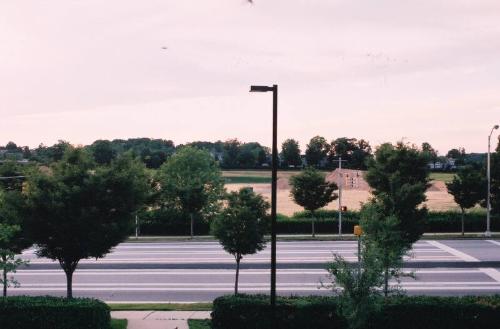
<point x="339" y="181"/>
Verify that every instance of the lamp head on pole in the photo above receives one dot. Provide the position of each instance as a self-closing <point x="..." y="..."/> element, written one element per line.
<point x="260" y="89"/>
<point x="495" y="127"/>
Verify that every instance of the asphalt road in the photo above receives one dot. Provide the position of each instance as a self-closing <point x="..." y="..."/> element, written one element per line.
<point x="201" y="271"/>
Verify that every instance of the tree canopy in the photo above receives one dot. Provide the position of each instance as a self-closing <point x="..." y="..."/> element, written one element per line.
<point x="80" y="210"/>
<point x="191" y="181"/>
<point x="317" y="151"/>
<point x="241" y="226"/>
<point x="290" y="153"/>
<point x="310" y="190"/>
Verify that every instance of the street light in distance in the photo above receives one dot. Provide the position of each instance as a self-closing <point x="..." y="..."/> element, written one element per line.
<point x="488" y="198"/>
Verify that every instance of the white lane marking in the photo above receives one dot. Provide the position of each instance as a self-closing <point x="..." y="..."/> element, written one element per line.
<point x="229" y="272"/>
<point x="225" y="289"/>
<point x="454" y="252"/>
<point x="494" y="242"/>
<point x="492" y="273"/>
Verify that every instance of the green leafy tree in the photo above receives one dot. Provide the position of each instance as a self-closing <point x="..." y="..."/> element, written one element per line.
<point x="429" y="152"/>
<point x="103" y="151"/>
<point x="398" y="176"/>
<point x="353" y="151"/>
<point x="290" y="153"/>
<point x="191" y="181"/>
<point x="467" y="189"/>
<point x="495" y="181"/>
<point x="231" y="150"/>
<point x="358" y="286"/>
<point x="317" y="151"/>
<point x="13" y="238"/>
<point x="9" y="170"/>
<point x="80" y="210"/>
<point x="458" y="154"/>
<point x="311" y="191"/>
<point x="241" y="226"/>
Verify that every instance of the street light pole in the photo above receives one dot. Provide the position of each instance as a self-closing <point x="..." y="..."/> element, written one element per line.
<point x="488" y="198"/>
<point x="274" y="179"/>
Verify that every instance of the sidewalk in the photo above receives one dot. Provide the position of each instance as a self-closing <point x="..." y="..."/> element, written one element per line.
<point x="159" y="319"/>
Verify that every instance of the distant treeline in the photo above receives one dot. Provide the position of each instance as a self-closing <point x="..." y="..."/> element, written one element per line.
<point x="234" y="154"/>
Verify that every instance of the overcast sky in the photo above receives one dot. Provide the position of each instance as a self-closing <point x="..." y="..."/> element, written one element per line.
<point x="385" y="70"/>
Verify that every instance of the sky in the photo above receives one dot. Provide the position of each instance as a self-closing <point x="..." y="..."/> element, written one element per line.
<point x="385" y="70"/>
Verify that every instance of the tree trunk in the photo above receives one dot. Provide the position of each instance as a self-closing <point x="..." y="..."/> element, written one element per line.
<point x="238" y="259"/>
<point x="463" y="221"/>
<point x="312" y="224"/>
<point x="192" y="225"/>
<point x="4" y="275"/>
<point x="386" y="282"/>
<point x="69" y="268"/>
<point x="69" y="285"/>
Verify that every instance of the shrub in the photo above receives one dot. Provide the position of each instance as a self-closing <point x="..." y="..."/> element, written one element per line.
<point x="53" y="313"/>
<point x="400" y="312"/>
<point x="172" y="222"/>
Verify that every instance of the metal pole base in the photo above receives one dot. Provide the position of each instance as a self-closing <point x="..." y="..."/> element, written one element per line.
<point x="487" y="234"/>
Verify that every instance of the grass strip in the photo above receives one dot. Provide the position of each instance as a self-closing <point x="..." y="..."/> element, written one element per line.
<point x="199" y="324"/>
<point x="118" y="324"/>
<point x="162" y="307"/>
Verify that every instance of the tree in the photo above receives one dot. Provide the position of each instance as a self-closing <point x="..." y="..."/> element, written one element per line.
<point x="495" y="181"/>
<point x="429" y="152"/>
<point x="241" y="226"/>
<point x="191" y="181"/>
<point x="311" y="191"/>
<point x="11" y="172"/>
<point x="80" y="210"/>
<point x="290" y="153"/>
<point x="316" y="151"/>
<point x="357" y="286"/>
<point x="353" y="151"/>
<point x="458" y="154"/>
<point x="11" y="147"/>
<point x="231" y="149"/>
<point x="467" y="189"/>
<point x="398" y="176"/>
<point x="13" y="239"/>
<point x="103" y="151"/>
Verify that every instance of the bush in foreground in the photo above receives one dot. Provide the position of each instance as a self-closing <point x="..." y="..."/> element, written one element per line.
<point x="254" y="312"/>
<point x="53" y="313"/>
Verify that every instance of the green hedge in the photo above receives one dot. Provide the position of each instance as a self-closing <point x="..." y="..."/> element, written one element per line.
<point x="253" y="312"/>
<point x="165" y="222"/>
<point x="25" y="312"/>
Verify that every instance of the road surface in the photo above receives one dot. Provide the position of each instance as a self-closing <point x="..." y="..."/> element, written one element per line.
<point x="201" y="271"/>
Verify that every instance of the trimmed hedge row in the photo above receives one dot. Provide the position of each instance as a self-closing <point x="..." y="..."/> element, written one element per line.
<point x="253" y="312"/>
<point x="23" y="312"/>
<point x="173" y="223"/>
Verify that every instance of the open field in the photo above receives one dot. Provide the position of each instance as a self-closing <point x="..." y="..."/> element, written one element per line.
<point x="438" y="198"/>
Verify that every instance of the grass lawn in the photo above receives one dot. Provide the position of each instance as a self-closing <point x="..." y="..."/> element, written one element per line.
<point x="118" y="324"/>
<point x="199" y="324"/>
<point x="247" y="179"/>
<point x="442" y="176"/>
<point x="161" y="307"/>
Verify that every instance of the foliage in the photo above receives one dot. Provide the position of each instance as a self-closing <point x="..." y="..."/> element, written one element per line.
<point x="429" y="152"/>
<point x="241" y="226"/>
<point x="10" y="169"/>
<point x="243" y="155"/>
<point x="199" y="324"/>
<point x="317" y="151"/>
<point x="458" y="154"/>
<point x="467" y="188"/>
<point x="102" y="151"/>
<point x="290" y="153"/>
<point x="13" y="237"/>
<point x="393" y="219"/>
<point x="53" y="313"/>
<point x="396" y="312"/>
<point x="310" y="190"/>
<point x="358" y="285"/>
<point x="355" y="152"/>
<point x="79" y="210"/>
<point x="254" y="312"/>
<point x="191" y="181"/>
